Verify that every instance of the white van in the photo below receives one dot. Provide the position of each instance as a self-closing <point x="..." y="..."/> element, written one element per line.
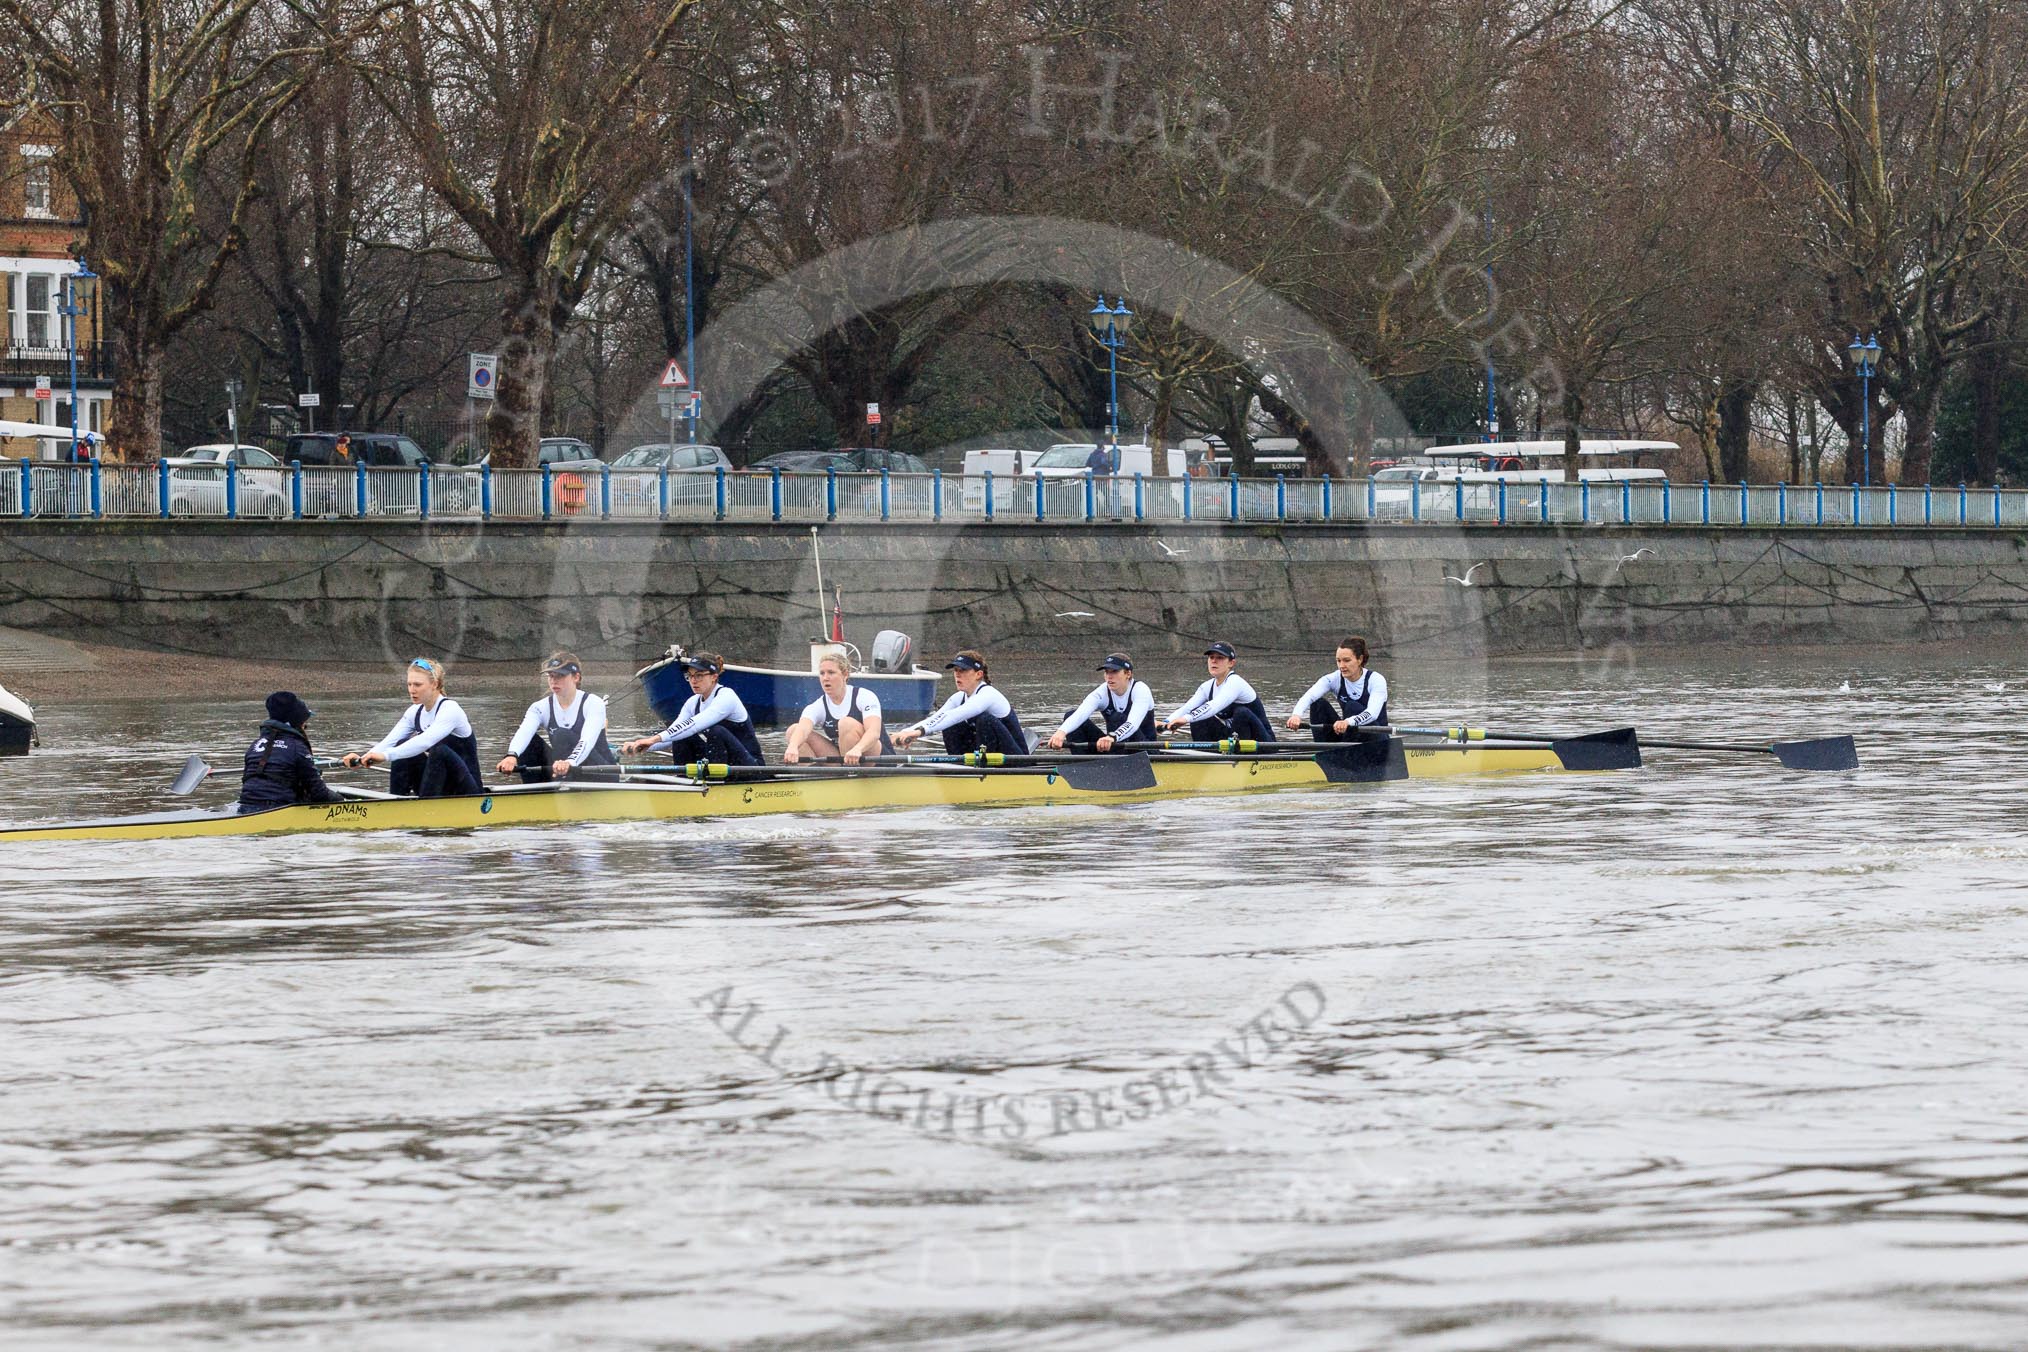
<point x="1067" y="459"/>
<point x="1004" y="465"/>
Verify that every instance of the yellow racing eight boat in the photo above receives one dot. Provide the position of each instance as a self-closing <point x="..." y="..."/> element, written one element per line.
<point x="721" y="791"/>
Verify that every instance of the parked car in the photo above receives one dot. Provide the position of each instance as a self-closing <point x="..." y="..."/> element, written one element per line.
<point x="907" y="496"/>
<point x="197" y="481"/>
<point x="637" y="492"/>
<point x="325" y="493"/>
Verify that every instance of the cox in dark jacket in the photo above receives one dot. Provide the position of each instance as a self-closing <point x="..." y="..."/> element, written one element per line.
<point x="281" y="770"/>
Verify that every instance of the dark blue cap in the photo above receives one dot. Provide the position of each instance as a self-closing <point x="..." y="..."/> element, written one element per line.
<point x="1221" y="650"/>
<point x="287" y="707"/>
<point x="702" y="664"/>
<point x="964" y="662"/>
<point x="1116" y="662"/>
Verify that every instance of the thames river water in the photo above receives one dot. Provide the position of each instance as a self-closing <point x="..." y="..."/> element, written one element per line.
<point x="1709" y="1053"/>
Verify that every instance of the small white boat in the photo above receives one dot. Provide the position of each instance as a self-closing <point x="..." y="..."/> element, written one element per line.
<point x="17" y="724"/>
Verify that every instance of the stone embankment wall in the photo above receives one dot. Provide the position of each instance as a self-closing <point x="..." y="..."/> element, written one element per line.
<point x="313" y="590"/>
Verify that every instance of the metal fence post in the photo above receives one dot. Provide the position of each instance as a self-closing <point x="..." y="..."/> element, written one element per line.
<point x="1782" y="503"/>
<point x="1704" y="501"/>
<point x="28" y="490"/>
<point x="545" y="492"/>
<point x="231" y="491"/>
<point x="936" y="495"/>
<point x="886" y="498"/>
<point x="989" y="494"/>
<point x="1584" y="503"/>
<point x="1893" y="505"/>
<point x="422" y="491"/>
<point x="1820" y="503"/>
<point x="161" y="488"/>
<point x="1281" y="498"/>
<point x="1140" y="501"/>
<point x="1327" y="497"/>
<point x="1964" y="501"/>
<point x="1665" y="502"/>
<point x="718" y="492"/>
<point x="1458" y="497"/>
<point x="1743" y="504"/>
<point x="486" y="491"/>
<point x="1038" y="496"/>
<point x="1626" y="502"/>
<point x="1372" y="499"/>
<point x="1500" y="490"/>
<point x="1928" y="505"/>
<point x="1189" y="500"/>
<point x="359" y="490"/>
<point x="1996" y="504"/>
<point x="662" y="491"/>
<point x="1090" y="496"/>
<point x="774" y="492"/>
<point x="1415" y="499"/>
<point x="1232" y="499"/>
<point x="830" y="492"/>
<point x="98" y="490"/>
<point x="605" y="492"/>
<point x="1858" y="506"/>
<point x="296" y="490"/>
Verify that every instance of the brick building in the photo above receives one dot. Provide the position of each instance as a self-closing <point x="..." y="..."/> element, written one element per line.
<point x="41" y="224"/>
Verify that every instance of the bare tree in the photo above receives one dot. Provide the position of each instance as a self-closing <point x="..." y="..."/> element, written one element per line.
<point x="531" y="124"/>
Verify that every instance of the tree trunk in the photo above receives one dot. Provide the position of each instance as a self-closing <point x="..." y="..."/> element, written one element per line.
<point x="1915" y="456"/>
<point x="134" y="433"/>
<point x="1573" y="429"/>
<point x="1362" y="431"/>
<point x="1165" y="413"/>
<point x="527" y="356"/>
<point x="1792" y="433"/>
<point x="1816" y="429"/>
<point x="1735" y="428"/>
<point x="1988" y="380"/>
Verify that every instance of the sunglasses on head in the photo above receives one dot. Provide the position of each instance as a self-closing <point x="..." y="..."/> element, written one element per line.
<point x="425" y="664"/>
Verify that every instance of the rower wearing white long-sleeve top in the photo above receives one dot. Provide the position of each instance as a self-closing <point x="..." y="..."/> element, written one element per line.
<point x="977" y="718"/>
<point x="1345" y="700"/>
<point x="432" y="751"/>
<point x="561" y="731"/>
<point x="1123" y="703"/>
<point x="1226" y="705"/>
<point x="712" y="725"/>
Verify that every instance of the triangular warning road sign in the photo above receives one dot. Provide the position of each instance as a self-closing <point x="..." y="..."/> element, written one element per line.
<point x="673" y="378"/>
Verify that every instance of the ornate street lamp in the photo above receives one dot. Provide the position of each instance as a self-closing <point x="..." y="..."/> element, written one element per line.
<point x="1110" y="326"/>
<point x="77" y="297"/>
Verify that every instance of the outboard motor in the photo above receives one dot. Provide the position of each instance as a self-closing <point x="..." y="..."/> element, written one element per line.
<point x="893" y="651"/>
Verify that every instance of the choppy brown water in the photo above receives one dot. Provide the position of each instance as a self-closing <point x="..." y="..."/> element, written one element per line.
<point x="1709" y="1053"/>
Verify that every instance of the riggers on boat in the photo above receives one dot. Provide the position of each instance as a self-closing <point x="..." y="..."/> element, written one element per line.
<point x="722" y="791"/>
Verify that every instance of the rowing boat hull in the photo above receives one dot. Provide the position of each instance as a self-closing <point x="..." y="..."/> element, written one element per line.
<point x="552" y="805"/>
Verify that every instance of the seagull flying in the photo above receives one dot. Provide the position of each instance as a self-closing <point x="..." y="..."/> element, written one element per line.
<point x="1845" y="689"/>
<point x="1641" y="553"/>
<point x="1466" y="580"/>
<point x="1075" y="615"/>
<point x="1164" y="545"/>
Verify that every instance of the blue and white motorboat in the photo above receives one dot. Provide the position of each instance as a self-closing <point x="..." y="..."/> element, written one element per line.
<point x="17" y="724"/>
<point x="776" y="696"/>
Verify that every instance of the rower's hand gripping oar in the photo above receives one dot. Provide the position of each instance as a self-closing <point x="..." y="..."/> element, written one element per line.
<point x="1815" y="753"/>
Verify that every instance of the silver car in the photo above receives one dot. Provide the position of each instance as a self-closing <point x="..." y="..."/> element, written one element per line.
<point x="197" y="481"/>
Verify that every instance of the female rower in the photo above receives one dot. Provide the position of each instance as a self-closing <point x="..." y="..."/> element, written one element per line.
<point x="1225" y="705"/>
<point x="844" y="721"/>
<point x="1345" y="700"/>
<point x="712" y="725"/>
<point x="431" y="753"/>
<point x="561" y="731"/>
<point x="1125" y="704"/>
<point x="977" y="718"/>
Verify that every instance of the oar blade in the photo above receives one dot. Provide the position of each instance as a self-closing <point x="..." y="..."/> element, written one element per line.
<point x="1370" y="760"/>
<point x="194" y="772"/>
<point x="1617" y="749"/>
<point x="1107" y="774"/>
<point x="1818" y="753"/>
